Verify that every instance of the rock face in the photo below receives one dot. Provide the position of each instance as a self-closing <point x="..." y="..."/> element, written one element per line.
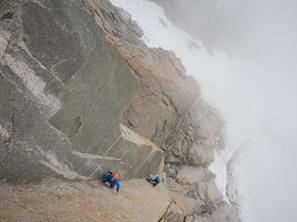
<point x="55" y="200"/>
<point x="80" y="94"/>
<point x="63" y="92"/>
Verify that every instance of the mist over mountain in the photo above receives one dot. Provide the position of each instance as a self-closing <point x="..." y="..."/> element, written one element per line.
<point x="213" y="22"/>
<point x="250" y="29"/>
<point x="201" y="93"/>
<point x="249" y="73"/>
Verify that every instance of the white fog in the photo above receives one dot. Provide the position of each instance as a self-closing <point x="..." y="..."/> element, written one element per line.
<point x="255" y="93"/>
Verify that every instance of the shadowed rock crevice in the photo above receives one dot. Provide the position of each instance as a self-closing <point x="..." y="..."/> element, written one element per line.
<point x="75" y="126"/>
<point x="7" y="15"/>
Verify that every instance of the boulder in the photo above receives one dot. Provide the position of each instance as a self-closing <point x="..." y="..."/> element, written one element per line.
<point x="192" y="175"/>
<point x="201" y="155"/>
<point x="213" y="192"/>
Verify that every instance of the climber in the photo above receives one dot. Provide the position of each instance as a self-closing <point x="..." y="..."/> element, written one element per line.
<point x="112" y="179"/>
<point x="155" y="181"/>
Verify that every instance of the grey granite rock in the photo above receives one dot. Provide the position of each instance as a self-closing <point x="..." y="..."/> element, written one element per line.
<point x="81" y="94"/>
<point x="63" y="91"/>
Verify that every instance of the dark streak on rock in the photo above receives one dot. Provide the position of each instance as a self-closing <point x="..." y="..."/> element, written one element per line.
<point x="7" y="15"/>
<point x="75" y="126"/>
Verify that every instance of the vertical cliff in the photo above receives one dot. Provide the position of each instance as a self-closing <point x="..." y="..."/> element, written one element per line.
<point x="64" y="89"/>
<point x="81" y="94"/>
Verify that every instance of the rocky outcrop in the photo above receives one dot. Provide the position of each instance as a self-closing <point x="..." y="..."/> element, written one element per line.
<point x="80" y="94"/>
<point x="232" y="183"/>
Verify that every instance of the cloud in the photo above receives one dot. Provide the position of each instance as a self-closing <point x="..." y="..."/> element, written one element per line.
<point x="254" y="89"/>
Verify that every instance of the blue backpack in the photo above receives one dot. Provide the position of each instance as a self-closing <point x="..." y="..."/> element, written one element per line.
<point x="158" y="180"/>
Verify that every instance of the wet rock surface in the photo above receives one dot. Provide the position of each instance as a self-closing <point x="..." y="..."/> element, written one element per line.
<point x="81" y="94"/>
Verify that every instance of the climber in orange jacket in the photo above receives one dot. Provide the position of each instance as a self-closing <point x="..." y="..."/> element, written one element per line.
<point x="112" y="179"/>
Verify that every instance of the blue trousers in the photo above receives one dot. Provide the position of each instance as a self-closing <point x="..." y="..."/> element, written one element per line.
<point x="108" y="178"/>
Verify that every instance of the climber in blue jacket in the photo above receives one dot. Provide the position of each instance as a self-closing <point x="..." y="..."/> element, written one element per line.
<point x="155" y="181"/>
<point x="112" y="179"/>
